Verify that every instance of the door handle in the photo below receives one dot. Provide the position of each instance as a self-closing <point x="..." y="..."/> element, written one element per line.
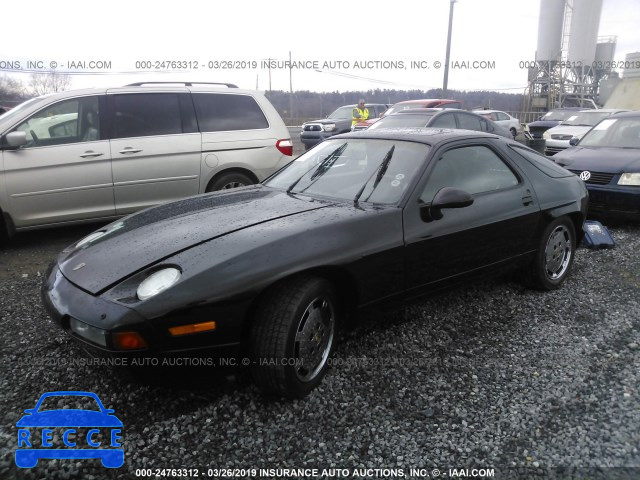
<point x="90" y="153"/>
<point x="527" y="199"/>
<point x="130" y="150"/>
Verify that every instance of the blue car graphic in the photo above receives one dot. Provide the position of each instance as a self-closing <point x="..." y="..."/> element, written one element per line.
<point x="28" y="457"/>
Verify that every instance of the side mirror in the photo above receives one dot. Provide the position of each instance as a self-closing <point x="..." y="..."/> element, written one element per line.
<point x="539" y="118"/>
<point x="574" y="141"/>
<point x="16" y="139"/>
<point x="447" y="197"/>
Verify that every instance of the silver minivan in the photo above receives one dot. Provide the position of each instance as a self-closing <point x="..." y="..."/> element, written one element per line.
<point x="97" y="154"/>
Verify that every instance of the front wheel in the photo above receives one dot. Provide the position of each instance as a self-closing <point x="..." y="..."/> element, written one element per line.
<point x="292" y="336"/>
<point x="555" y="255"/>
<point x="514" y="133"/>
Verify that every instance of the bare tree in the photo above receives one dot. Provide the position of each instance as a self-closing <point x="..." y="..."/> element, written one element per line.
<point x="51" y="82"/>
<point x="11" y="91"/>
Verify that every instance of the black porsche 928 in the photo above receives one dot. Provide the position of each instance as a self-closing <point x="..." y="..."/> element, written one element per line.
<point x="266" y="272"/>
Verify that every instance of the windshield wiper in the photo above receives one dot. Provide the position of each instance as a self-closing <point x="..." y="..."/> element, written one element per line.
<point x="321" y="169"/>
<point x="382" y="169"/>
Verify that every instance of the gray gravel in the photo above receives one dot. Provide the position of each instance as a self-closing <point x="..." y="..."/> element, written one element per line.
<point x="492" y="376"/>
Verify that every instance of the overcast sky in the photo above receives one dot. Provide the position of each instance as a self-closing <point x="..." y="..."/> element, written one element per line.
<point x="383" y="37"/>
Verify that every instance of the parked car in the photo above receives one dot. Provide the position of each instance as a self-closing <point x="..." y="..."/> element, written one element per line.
<point x="314" y="132"/>
<point x="557" y="138"/>
<point x="102" y="153"/>
<point x="439" y="118"/>
<point x="607" y="159"/>
<point x="503" y="119"/>
<point x="423" y="103"/>
<point x="266" y="272"/>
<point x="549" y="120"/>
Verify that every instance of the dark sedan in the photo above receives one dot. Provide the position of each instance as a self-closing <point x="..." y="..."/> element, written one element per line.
<point x="607" y="159"/>
<point x="440" y="118"/>
<point x="263" y="274"/>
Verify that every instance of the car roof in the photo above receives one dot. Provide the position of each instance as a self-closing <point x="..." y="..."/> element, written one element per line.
<point x="421" y="110"/>
<point x="627" y="113"/>
<point x="428" y="136"/>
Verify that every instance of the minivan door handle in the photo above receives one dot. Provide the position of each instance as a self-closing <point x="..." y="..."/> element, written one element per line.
<point x="527" y="199"/>
<point x="90" y="153"/>
<point x="130" y="150"/>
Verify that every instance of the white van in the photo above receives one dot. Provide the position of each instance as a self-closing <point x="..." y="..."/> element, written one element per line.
<point x="97" y="154"/>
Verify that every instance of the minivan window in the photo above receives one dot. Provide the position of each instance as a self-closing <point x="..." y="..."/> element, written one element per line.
<point x="146" y="114"/>
<point x="223" y="112"/>
<point x="69" y="121"/>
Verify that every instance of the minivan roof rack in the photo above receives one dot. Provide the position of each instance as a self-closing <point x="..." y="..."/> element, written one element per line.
<point x="186" y="84"/>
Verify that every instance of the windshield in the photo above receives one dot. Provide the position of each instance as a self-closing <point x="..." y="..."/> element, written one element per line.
<point x="365" y="170"/>
<point x="403" y="106"/>
<point x="403" y="121"/>
<point x="558" y="115"/>
<point x="342" y="113"/>
<point x="15" y="111"/>
<point x="586" y="119"/>
<point x="614" y="132"/>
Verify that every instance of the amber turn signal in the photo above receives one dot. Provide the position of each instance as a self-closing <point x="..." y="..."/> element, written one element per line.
<point x="192" y="328"/>
<point x="128" y="341"/>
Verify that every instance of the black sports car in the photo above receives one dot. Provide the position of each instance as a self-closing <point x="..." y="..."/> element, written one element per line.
<point x="264" y="273"/>
<point x="607" y="159"/>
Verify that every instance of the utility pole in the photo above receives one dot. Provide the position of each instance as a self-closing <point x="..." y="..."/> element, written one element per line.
<point x="446" y="61"/>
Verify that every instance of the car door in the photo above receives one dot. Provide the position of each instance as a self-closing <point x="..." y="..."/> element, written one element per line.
<point x="63" y="173"/>
<point x="496" y="228"/>
<point x="155" y="147"/>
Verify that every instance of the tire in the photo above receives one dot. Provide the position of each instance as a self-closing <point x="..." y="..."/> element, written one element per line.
<point x="229" y="180"/>
<point x="292" y="336"/>
<point x="514" y="132"/>
<point x="554" y="257"/>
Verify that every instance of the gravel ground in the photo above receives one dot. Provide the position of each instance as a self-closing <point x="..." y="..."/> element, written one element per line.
<point x="492" y="376"/>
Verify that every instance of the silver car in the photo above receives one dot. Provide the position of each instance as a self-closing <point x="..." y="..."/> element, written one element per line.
<point x="97" y="154"/>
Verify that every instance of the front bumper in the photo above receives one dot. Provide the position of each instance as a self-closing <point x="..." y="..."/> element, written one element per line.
<point x="614" y="201"/>
<point x="310" y="139"/>
<point x="63" y="301"/>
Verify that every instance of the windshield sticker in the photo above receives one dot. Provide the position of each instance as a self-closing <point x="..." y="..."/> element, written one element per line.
<point x="603" y="125"/>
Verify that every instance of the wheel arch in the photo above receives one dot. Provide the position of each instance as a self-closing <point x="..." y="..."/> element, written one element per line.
<point x="227" y="171"/>
<point x="344" y="283"/>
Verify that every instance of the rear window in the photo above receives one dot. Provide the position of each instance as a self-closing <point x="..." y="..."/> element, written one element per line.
<point x="542" y="163"/>
<point x="224" y="112"/>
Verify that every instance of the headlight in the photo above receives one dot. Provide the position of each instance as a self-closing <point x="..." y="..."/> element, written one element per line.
<point x="629" y="179"/>
<point x="546" y="135"/>
<point x="329" y="127"/>
<point x="158" y="282"/>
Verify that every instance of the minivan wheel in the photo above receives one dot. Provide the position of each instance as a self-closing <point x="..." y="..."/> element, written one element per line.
<point x="554" y="257"/>
<point x="229" y="180"/>
<point x="292" y="336"/>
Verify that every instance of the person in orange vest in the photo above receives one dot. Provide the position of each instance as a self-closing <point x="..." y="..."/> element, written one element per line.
<point x="360" y="113"/>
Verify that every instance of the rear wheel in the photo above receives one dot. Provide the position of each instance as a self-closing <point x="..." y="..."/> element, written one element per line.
<point x="229" y="180"/>
<point x="292" y="336"/>
<point x="555" y="255"/>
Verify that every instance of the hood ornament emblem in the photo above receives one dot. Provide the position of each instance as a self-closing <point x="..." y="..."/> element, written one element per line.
<point x="586" y="175"/>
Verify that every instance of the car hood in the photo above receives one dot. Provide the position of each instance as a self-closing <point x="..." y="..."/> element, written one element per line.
<point x="600" y="159"/>
<point x="157" y="233"/>
<point x="544" y="123"/>
<point x="568" y="130"/>
<point x="325" y="121"/>
<point x="69" y="418"/>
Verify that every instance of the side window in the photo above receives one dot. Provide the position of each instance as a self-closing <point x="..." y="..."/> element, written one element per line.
<point x="501" y="116"/>
<point x="469" y="122"/>
<point x="484" y="125"/>
<point x="146" y="114"/>
<point x="220" y="112"/>
<point x="444" y="121"/>
<point x="69" y="121"/>
<point x="474" y="169"/>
